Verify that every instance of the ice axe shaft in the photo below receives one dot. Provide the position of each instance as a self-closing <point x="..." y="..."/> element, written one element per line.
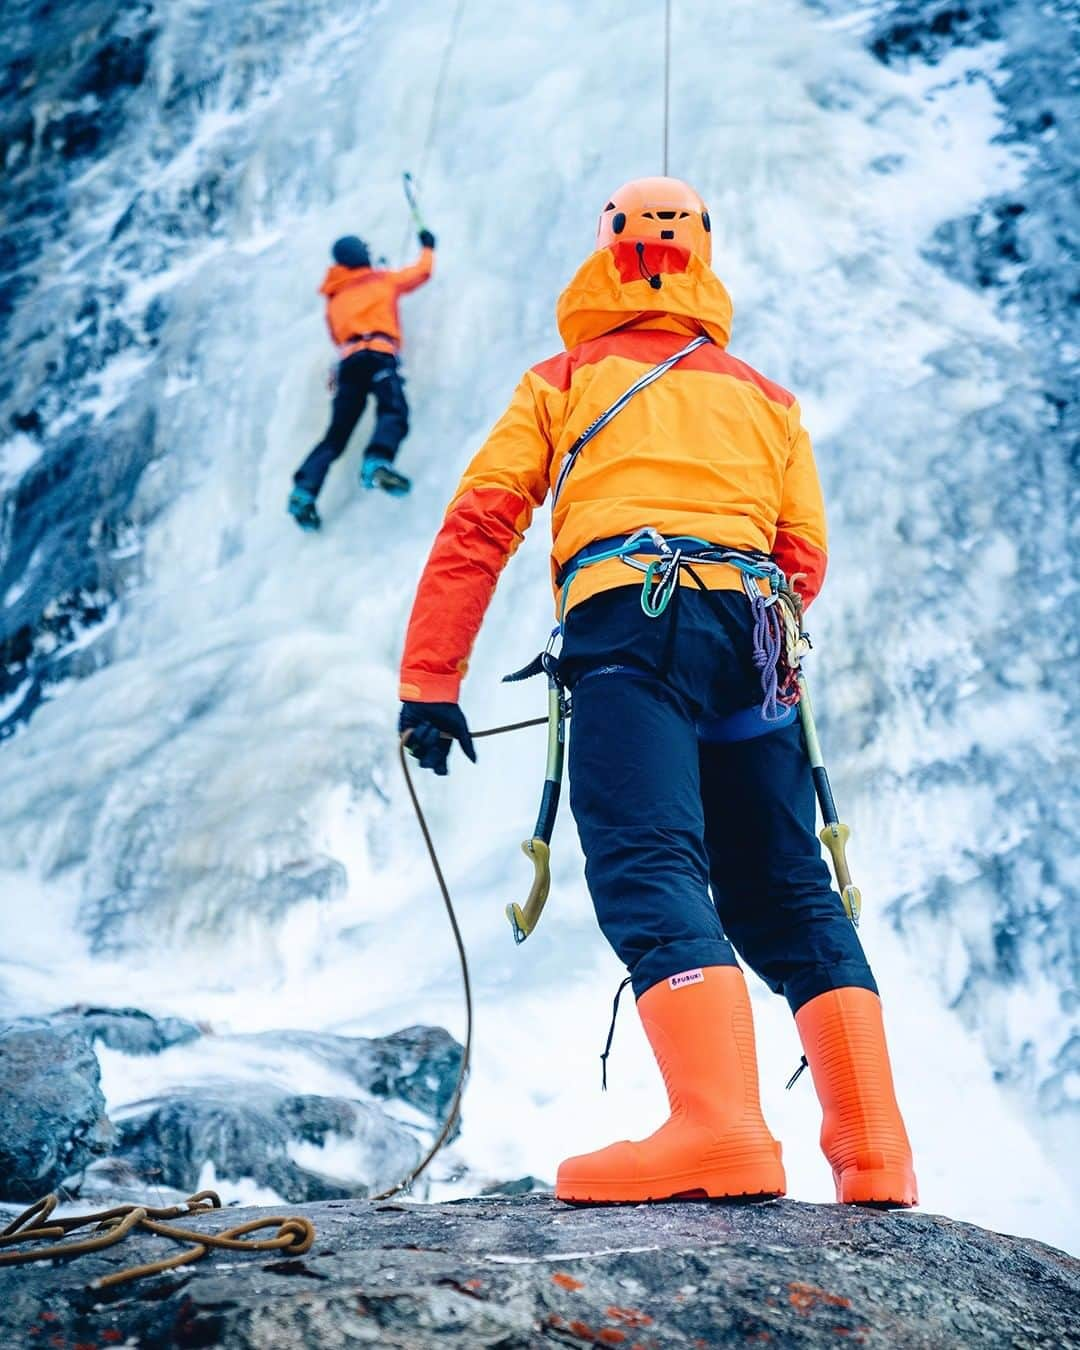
<point x="834" y="833"/>
<point x="524" y="918"/>
<point x="409" y="185"/>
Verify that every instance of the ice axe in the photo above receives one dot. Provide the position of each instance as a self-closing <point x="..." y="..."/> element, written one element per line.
<point x="409" y="185"/>
<point x="834" y="834"/>
<point x="524" y="918"/>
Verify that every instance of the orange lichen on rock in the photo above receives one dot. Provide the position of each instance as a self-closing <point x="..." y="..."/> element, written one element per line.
<point x="630" y="1317"/>
<point x="805" y="1298"/>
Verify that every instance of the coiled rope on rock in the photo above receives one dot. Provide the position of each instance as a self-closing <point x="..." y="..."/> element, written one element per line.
<point x="38" y="1224"/>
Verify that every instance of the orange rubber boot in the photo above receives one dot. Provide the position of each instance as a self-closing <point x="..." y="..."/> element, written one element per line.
<point x="862" y="1131"/>
<point x="716" y="1142"/>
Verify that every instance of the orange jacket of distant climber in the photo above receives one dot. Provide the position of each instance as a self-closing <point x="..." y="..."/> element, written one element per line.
<point x="712" y="450"/>
<point x="364" y="300"/>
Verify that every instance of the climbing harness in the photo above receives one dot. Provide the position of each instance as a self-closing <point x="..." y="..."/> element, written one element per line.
<point x="38" y="1224"/>
<point x="779" y="640"/>
<point x="361" y="341"/>
<point x="650" y="376"/>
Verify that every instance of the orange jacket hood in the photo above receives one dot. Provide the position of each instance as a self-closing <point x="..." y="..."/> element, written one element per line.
<point x="337" y="277"/>
<point x="612" y="290"/>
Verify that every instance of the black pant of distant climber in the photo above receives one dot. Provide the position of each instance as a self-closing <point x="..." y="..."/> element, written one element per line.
<point x="362" y="374"/>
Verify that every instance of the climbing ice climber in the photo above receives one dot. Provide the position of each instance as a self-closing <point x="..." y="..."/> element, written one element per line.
<point x="683" y="483"/>
<point x="362" y="315"/>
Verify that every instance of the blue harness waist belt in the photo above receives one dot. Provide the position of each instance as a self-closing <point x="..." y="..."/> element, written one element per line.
<point x="648" y="544"/>
<point x="661" y="581"/>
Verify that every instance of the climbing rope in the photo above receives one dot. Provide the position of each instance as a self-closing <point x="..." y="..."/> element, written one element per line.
<point x="667" y="79"/>
<point x="39" y="1224"/>
<point x="453" y="1109"/>
<point x="436" y="105"/>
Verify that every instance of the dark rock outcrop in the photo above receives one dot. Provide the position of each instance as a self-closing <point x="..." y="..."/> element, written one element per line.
<point x="515" y="1273"/>
<point x="247" y="1130"/>
<point x="129" y="1030"/>
<point x="417" y="1065"/>
<point x="53" y="1122"/>
<point x="52" y="1109"/>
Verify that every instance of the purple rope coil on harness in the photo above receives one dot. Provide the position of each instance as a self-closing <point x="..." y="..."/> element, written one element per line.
<point x="768" y="644"/>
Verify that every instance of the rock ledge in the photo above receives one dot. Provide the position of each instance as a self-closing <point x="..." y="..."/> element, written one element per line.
<point x="526" y="1271"/>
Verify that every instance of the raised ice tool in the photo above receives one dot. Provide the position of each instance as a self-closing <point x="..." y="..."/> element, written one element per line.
<point x="409" y="184"/>
<point x="834" y="834"/>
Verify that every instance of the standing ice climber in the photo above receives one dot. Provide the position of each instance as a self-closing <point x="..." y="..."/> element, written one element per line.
<point x="362" y="315"/>
<point x="696" y="815"/>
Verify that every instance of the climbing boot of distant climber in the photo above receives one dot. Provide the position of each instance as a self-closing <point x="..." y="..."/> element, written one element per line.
<point x="377" y="472"/>
<point x="715" y="1143"/>
<point x="302" y="509"/>
<point x="862" y="1131"/>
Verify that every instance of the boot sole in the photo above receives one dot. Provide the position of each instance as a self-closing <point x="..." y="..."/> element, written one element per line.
<point x="767" y="1184"/>
<point x="890" y="1189"/>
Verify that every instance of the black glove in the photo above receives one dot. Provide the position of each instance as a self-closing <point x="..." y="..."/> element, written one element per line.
<point x="427" y="239"/>
<point x="433" y="728"/>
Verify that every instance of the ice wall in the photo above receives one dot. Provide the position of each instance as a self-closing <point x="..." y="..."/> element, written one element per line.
<point x="204" y="807"/>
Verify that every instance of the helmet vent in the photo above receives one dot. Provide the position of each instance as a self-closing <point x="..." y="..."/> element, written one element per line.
<point x="610" y="206"/>
<point x="667" y="215"/>
<point x="706" y="222"/>
<point x="667" y="234"/>
<point x="618" y="222"/>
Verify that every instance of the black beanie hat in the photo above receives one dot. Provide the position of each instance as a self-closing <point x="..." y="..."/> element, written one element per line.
<point x="350" y="251"/>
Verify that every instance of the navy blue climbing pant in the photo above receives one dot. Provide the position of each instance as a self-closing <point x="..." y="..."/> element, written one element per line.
<point x="363" y="373"/>
<point x="693" y="844"/>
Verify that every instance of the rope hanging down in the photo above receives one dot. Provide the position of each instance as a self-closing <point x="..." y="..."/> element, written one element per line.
<point x="444" y="890"/>
<point x="436" y="104"/>
<point x="667" y="79"/>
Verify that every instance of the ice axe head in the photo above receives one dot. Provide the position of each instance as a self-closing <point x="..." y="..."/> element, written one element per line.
<point x="835" y="837"/>
<point x="524" y="918"/>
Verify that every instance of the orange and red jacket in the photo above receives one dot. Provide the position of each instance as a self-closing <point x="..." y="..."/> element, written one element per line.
<point x="363" y="300"/>
<point x="712" y="450"/>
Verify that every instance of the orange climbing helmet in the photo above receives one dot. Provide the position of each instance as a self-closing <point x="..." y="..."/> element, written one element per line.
<point x="657" y="208"/>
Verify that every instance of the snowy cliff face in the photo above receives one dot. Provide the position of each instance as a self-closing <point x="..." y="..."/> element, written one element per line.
<point x="199" y="803"/>
<point x="974" y="772"/>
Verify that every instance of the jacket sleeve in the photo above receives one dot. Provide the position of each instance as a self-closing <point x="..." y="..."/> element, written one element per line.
<point x="408" y="278"/>
<point x="801" y="545"/>
<point x="483" y="527"/>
